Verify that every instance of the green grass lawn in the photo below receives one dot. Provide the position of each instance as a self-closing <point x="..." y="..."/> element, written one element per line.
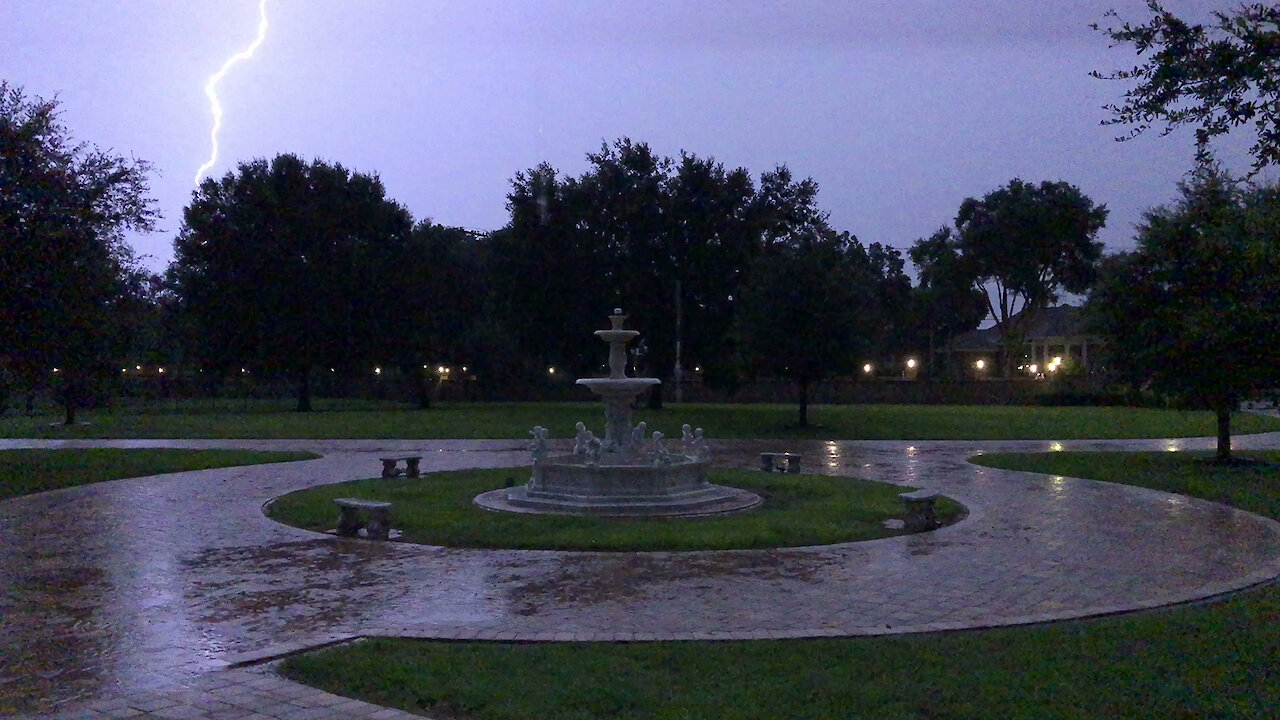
<point x="513" y="420"/>
<point x="31" y="471"/>
<point x="437" y="509"/>
<point x="1217" y="661"/>
<point x="1252" y="484"/>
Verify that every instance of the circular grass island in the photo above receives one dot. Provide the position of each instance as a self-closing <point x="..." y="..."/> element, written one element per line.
<point x="797" y="510"/>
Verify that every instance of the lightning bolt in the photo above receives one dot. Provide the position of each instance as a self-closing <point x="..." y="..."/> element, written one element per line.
<point x="211" y="87"/>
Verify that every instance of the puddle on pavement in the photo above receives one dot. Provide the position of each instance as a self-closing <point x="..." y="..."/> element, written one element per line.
<point x="580" y="579"/>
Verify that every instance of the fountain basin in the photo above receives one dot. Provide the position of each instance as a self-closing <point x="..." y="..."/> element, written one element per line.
<point x="570" y="485"/>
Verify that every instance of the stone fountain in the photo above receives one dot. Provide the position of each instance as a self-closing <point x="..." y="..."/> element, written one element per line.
<point x="624" y="473"/>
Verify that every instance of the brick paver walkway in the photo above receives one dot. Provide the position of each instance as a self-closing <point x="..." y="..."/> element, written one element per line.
<point x="147" y="596"/>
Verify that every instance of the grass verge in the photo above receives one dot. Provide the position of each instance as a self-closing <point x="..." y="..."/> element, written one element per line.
<point x="513" y="420"/>
<point x="1217" y="661"/>
<point x="23" y="472"/>
<point x="437" y="509"/>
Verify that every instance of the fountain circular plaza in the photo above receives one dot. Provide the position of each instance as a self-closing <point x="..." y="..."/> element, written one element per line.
<point x="624" y="473"/>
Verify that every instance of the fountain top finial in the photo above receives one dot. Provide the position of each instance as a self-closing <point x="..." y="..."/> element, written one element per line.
<point x="617" y="319"/>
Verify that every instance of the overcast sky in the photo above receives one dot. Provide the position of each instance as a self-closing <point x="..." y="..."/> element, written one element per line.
<point x="899" y="109"/>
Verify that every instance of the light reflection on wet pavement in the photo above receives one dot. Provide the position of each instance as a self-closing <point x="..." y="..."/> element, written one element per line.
<point x="152" y="582"/>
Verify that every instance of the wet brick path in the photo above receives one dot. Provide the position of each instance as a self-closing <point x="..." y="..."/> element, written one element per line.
<point x="145" y="596"/>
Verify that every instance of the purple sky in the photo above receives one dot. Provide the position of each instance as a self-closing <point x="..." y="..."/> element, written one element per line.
<point x="899" y="109"/>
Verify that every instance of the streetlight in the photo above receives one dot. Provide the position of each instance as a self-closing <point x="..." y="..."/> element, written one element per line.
<point x="981" y="364"/>
<point x="911" y="363"/>
<point x="866" y="369"/>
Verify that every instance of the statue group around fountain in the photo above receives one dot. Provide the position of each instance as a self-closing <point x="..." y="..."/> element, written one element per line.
<point x="587" y="445"/>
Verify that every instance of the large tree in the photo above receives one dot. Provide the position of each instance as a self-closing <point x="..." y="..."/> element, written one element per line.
<point x="1194" y="310"/>
<point x="287" y="266"/>
<point x="808" y="310"/>
<point x="442" y="296"/>
<point x="1215" y="78"/>
<point x="669" y="241"/>
<point x="549" y="274"/>
<point x="713" y="239"/>
<point x="945" y="303"/>
<point x="65" y="270"/>
<point x="1021" y="245"/>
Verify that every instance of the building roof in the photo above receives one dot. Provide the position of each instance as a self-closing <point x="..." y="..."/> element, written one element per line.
<point x="1052" y="323"/>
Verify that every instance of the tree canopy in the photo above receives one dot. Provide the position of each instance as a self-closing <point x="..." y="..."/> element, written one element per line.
<point x="66" y="274"/>
<point x="1193" y="311"/>
<point x="287" y="266"/>
<point x="1215" y="78"/>
<point x="1019" y="245"/>
<point x="670" y="241"/>
<point x="809" y="309"/>
<point x="945" y="303"/>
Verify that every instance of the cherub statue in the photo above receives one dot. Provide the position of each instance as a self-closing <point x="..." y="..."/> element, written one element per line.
<point x="686" y="433"/>
<point x="697" y="447"/>
<point x="538" y="448"/>
<point x="581" y="439"/>
<point x="660" y="454"/>
<point x="593" y="449"/>
<point x="637" y="435"/>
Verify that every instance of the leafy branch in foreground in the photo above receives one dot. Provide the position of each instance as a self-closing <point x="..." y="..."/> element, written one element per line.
<point x="1217" y="77"/>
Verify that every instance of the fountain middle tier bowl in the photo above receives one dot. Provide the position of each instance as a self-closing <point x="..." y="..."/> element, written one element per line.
<point x="618" y="387"/>
<point x="617" y="336"/>
<point x="627" y="486"/>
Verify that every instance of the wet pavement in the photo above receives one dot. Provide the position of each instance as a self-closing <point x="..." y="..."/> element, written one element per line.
<point x="153" y="591"/>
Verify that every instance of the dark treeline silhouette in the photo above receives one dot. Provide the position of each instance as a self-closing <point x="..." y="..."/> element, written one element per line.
<point x="306" y="273"/>
<point x="297" y="268"/>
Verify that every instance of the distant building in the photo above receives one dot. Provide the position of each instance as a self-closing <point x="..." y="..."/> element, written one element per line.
<point x="1055" y="332"/>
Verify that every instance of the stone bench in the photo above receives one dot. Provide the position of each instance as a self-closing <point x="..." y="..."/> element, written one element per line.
<point x="921" y="515"/>
<point x="378" y="514"/>
<point x="390" y="466"/>
<point x="780" y="462"/>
